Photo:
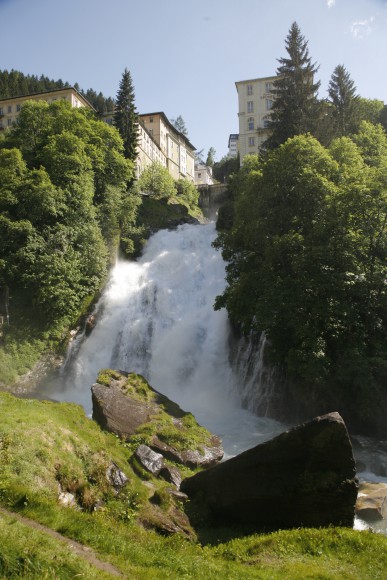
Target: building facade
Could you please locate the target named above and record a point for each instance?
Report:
(255, 100)
(233, 145)
(203, 175)
(10, 108)
(179, 152)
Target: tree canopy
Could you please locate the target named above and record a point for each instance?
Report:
(62, 192)
(306, 257)
(126, 116)
(295, 102)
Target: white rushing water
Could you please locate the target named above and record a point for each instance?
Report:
(156, 318)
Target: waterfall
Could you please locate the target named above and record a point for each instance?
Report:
(257, 381)
(156, 318)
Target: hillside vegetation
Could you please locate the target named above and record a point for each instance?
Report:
(47, 448)
(68, 200)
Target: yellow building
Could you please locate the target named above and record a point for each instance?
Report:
(179, 152)
(10, 108)
(255, 100)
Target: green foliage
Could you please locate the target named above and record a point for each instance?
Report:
(156, 181)
(43, 444)
(187, 191)
(224, 168)
(126, 116)
(63, 199)
(307, 262)
(211, 157)
(295, 105)
(343, 98)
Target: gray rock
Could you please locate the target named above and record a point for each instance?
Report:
(149, 460)
(115, 476)
(303, 477)
(171, 474)
(122, 411)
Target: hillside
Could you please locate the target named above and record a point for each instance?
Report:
(48, 448)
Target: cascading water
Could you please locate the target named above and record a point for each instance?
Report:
(156, 318)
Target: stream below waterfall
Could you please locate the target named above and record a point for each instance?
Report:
(156, 318)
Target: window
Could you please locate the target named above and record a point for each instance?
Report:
(268, 87)
(266, 123)
(1, 111)
(250, 107)
(150, 119)
(9, 108)
(249, 89)
(251, 141)
(250, 124)
(269, 104)
(18, 108)
(9, 122)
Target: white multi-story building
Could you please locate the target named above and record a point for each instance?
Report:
(255, 100)
(233, 145)
(178, 150)
(203, 175)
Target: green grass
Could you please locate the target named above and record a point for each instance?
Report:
(43, 444)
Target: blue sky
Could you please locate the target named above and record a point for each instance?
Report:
(185, 56)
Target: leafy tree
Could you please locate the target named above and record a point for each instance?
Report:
(126, 116)
(156, 181)
(369, 110)
(342, 96)
(307, 263)
(62, 198)
(225, 167)
(211, 157)
(187, 191)
(179, 124)
(295, 105)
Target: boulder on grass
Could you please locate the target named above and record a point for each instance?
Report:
(127, 405)
(303, 477)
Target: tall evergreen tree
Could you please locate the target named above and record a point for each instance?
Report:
(180, 125)
(343, 98)
(126, 116)
(295, 106)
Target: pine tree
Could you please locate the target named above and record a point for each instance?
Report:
(343, 98)
(179, 124)
(126, 116)
(295, 105)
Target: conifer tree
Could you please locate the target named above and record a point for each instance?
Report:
(295, 104)
(343, 98)
(126, 116)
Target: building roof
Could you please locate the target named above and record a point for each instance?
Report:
(50, 92)
(167, 122)
(257, 79)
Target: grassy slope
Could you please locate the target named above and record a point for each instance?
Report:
(43, 444)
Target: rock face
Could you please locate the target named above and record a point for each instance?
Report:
(303, 477)
(127, 405)
(371, 503)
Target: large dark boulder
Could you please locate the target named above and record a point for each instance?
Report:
(303, 477)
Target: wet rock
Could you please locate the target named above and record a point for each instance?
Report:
(303, 477)
(149, 460)
(371, 504)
